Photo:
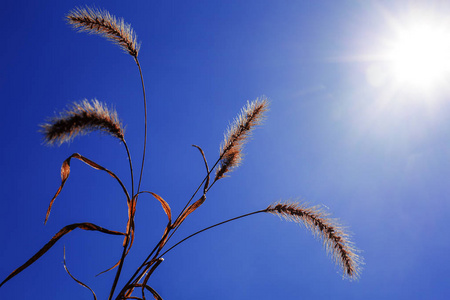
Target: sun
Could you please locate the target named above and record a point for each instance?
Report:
(420, 54)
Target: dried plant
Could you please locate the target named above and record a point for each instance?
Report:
(335, 240)
(101, 22)
(238, 134)
(82, 118)
(85, 117)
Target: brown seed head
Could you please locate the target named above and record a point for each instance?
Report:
(101, 22)
(335, 240)
(82, 118)
(238, 134)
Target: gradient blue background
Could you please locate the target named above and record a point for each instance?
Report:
(374, 156)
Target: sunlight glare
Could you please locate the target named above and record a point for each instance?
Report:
(421, 55)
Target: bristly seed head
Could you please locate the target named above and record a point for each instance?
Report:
(238, 134)
(101, 22)
(82, 118)
(335, 240)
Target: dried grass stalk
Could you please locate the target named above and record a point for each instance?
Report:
(101, 22)
(335, 240)
(238, 134)
(82, 118)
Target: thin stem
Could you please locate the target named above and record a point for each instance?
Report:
(122, 258)
(140, 179)
(140, 268)
(157, 246)
(212, 226)
(145, 122)
(131, 167)
(193, 195)
(119, 269)
(186, 238)
(147, 277)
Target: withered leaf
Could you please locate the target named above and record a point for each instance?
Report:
(55, 238)
(205, 188)
(65, 172)
(164, 205)
(76, 280)
(189, 210)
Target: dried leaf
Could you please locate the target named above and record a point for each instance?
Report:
(164, 237)
(189, 210)
(154, 293)
(65, 171)
(149, 288)
(129, 233)
(76, 280)
(205, 188)
(55, 238)
(164, 204)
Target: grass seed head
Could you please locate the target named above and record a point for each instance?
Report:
(335, 240)
(238, 134)
(82, 118)
(96, 21)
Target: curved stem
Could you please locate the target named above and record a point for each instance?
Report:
(131, 167)
(138, 278)
(140, 268)
(122, 259)
(193, 195)
(145, 123)
(116, 279)
(212, 226)
(119, 269)
(132, 278)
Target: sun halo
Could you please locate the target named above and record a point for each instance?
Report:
(420, 55)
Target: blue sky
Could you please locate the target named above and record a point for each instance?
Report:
(342, 132)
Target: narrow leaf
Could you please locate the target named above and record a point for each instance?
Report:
(129, 236)
(65, 171)
(154, 293)
(76, 280)
(55, 238)
(149, 288)
(205, 188)
(164, 237)
(189, 210)
(164, 204)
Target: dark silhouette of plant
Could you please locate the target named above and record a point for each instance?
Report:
(88, 116)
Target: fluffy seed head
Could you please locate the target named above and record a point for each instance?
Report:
(96, 21)
(237, 135)
(335, 240)
(82, 118)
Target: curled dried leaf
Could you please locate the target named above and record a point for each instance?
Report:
(205, 188)
(76, 280)
(65, 172)
(54, 239)
(164, 204)
(189, 210)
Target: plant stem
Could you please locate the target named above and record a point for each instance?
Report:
(131, 167)
(212, 226)
(145, 123)
(183, 240)
(193, 195)
(187, 204)
(116, 279)
(141, 266)
(119, 269)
